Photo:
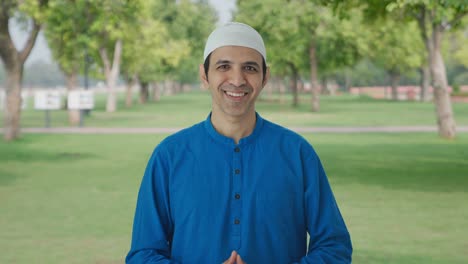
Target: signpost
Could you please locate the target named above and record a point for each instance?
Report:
(81, 100)
(47, 100)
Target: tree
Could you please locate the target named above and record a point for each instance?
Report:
(396, 48)
(434, 18)
(13, 59)
(304, 36)
(192, 22)
(157, 47)
(111, 21)
(66, 33)
(277, 22)
(455, 52)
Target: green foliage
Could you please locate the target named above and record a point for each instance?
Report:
(277, 22)
(169, 40)
(32, 9)
(455, 46)
(197, 19)
(67, 33)
(77, 28)
(341, 42)
(290, 27)
(396, 46)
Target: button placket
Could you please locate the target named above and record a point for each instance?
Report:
(237, 187)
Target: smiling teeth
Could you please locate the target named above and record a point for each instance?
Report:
(235, 94)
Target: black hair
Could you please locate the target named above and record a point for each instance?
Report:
(206, 65)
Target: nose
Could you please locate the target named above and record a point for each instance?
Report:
(237, 77)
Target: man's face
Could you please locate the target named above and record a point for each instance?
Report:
(235, 79)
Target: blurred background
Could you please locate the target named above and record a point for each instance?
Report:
(88, 88)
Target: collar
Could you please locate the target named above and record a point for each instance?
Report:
(229, 141)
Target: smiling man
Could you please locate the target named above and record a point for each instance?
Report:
(236, 188)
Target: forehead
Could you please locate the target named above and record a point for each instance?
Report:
(236, 54)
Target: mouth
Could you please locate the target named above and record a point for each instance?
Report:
(235, 95)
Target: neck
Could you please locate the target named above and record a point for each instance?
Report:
(234, 127)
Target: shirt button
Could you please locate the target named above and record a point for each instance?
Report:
(237, 221)
(237, 171)
(237, 149)
(237, 196)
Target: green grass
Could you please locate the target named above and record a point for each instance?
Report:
(71, 198)
(186, 109)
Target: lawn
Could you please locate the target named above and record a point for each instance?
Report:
(71, 198)
(185, 109)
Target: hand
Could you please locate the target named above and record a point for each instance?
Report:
(234, 259)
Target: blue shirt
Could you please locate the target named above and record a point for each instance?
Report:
(203, 196)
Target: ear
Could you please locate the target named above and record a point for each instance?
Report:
(203, 77)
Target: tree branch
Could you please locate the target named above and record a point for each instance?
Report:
(24, 53)
(421, 18)
(458, 17)
(117, 56)
(105, 60)
(7, 47)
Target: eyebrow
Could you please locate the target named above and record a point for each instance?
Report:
(223, 62)
(249, 63)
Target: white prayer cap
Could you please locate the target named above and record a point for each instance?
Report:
(235, 34)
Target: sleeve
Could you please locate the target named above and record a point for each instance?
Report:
(152, 225)
(330, 241)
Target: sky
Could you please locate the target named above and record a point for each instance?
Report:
(41, 50)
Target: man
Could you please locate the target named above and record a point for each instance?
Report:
(236, 188)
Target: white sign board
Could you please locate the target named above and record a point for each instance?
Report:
(24, 100)
(3, 99)
(47, 100)
(80, 100)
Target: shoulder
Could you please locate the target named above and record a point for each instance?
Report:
(181, 139)
(287, 138)
(275, 130)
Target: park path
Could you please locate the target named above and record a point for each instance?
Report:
(169, 130)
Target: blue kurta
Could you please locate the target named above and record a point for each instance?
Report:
(203, 196)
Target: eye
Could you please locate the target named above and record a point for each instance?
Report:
(250, 68)
(223, 67)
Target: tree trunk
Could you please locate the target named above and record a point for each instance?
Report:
(425, 82)
(73, 114)
(168, 87)
(13, 61)
(443, 103)
(112, 73)
(177, 87)
(293, 85)
(314, 78)
(13, 102)
(131, 81)
(144, 92)
(282, 90)
(348, 80)
(394, 81)
(156, 92)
